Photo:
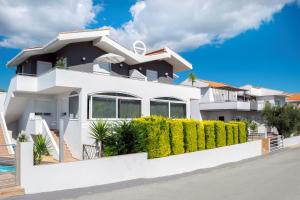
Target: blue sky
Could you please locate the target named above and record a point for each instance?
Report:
(267, 55)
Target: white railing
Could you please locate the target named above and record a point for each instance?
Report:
(36, 126)
(6, 134)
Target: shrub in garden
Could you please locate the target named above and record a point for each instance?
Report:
(229, 133)
(200, 135)
(209, 130)
(176, 137)
(164, 138)
(220, 134)
(235, 129)
(156, 131)
(242, 132)
(190, 135)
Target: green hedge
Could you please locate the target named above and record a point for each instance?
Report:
(229, 134)
(176, 137)
(235, 129)
(242, 131)
(164, 137)
(190, 135)
(157, 135)
(220, 133)
(209, 130)
(200, 136)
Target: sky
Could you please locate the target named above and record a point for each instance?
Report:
(236, 42)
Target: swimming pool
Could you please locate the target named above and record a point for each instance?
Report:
(7, 168)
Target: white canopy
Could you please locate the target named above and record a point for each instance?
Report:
(110, 58)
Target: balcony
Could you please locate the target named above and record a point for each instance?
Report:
(226, 105)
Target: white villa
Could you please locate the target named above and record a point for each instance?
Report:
(220, 101)
(82, 76)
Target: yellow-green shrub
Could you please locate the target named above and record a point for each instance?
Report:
(235, 129)
(190, 135)
(200, 135)
(156, 130)
(241, 130)
(220, 133)
(176, 137)
(209, 130)
(229, 133)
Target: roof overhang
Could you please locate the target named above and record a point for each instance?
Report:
(60, 41)
(101, 40)
(109, 45)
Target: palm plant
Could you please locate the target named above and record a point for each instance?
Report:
(41, 147)
(99, 132)
(192, 77)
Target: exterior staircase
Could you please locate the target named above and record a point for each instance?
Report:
(67, 153)
(3, 147)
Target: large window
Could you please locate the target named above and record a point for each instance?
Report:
(114, 105)
(73, 105)
(168, 107)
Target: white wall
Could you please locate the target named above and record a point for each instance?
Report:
(292, 141)
(202, 159)
(2, 99)
(61, 176)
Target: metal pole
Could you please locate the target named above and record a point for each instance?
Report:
(61, 140)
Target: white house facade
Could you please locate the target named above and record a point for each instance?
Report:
(67, 83)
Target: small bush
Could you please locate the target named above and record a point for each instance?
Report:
(190, 135)
(235, 129)
(200, 136)
(176, 137)
(220, 134)
(209, 130)
(229, 133)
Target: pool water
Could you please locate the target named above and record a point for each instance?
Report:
(7, 168)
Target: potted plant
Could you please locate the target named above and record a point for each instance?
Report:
(60, 63)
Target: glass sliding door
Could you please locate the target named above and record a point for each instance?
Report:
(128, 108)
(177, 110)
(159, 108)
(103, 107)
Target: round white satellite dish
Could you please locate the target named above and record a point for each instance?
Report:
(139, 47)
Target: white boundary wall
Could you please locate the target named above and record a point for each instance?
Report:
(51, 177)
(292, 141)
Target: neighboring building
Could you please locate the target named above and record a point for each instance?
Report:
(65, 85)
(220, 101)
(294, 99)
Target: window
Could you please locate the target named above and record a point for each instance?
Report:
(168, 107)
(151, 75)
(73, 105)
(114, 105)
(221, 118)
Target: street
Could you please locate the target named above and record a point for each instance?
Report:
(275, 177)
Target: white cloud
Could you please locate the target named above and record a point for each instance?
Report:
(188, 24)
(30, 22)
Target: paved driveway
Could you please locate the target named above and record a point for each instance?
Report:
(276, 176)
